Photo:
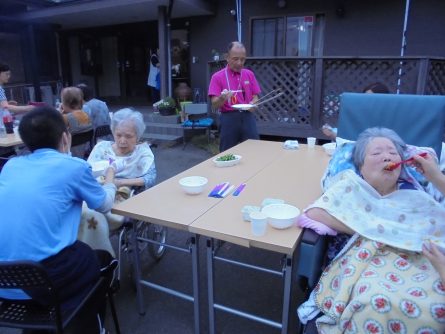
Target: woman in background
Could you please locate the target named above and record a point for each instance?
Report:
(75, 118)
(374, 88)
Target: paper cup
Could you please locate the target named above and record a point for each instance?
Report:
(258, 223)
(311, 142)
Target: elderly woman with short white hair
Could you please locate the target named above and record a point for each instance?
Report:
(135, 167)
(380, 282)
(137, 158)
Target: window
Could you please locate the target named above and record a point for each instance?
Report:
(282, 36)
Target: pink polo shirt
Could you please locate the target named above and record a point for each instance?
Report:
(230, 80)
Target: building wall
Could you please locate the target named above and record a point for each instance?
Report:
(352, 28)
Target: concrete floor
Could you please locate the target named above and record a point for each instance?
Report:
(250, 291)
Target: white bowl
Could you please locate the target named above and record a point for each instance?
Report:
(99, 167)
(329, 148)
(281, 216)
(228, 163)
(193, 185)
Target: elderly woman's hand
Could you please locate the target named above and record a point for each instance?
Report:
(118, 165)
(118, 183)
(436, 257)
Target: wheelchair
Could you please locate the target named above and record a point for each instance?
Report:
(155, 247)
(403, 113)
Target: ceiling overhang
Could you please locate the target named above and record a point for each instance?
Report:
(84, 14)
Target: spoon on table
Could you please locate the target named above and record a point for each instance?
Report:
(393, 165)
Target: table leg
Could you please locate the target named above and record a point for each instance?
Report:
(210, 289)
(286, 294)
(195, 267)
(137, 269)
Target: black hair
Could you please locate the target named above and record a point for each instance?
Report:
(377, 88)
(42, 127)
(4, 67)
(86, 91)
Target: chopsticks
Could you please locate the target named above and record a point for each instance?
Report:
(266, 97)
(223, 189)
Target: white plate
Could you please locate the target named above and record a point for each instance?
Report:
(228, 163)
(244, 106)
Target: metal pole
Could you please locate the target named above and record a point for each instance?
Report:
(239, 19)
(403, 47)
(210, 287)
(194, 248)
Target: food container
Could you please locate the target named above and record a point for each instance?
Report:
(268, 201)
(281, 216)
(99, 167)
(329, 148)
(247, 209)
(227, 163)
(193, 185)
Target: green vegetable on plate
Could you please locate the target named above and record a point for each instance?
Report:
(226, 157)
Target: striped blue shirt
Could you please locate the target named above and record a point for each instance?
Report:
(2, 94)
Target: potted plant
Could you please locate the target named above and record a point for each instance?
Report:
(166, 106)
(215, 55)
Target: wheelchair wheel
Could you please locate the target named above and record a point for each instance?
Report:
(154, 232)
(157, 233)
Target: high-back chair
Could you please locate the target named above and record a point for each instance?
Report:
(197, 119)
(83, 138)
(101, 131)
(28, 314)
(418, 119)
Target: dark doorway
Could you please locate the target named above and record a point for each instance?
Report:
(134, 44)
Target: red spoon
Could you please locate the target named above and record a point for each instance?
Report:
(393, 165)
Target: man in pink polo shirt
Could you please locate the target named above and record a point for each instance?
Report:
(235, 85)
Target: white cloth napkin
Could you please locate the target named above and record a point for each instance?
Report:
(290, 144)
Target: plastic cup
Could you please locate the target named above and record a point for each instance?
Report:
(9, 127)
(311, 142)
(258, 223)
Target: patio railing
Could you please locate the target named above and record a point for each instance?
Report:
(312, 87)
(24, 93)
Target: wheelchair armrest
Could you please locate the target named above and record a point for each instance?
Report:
(310, 237)
(311, 255)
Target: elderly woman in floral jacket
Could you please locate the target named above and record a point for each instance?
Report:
(380, 282)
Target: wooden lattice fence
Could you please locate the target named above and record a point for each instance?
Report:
(312, 87)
